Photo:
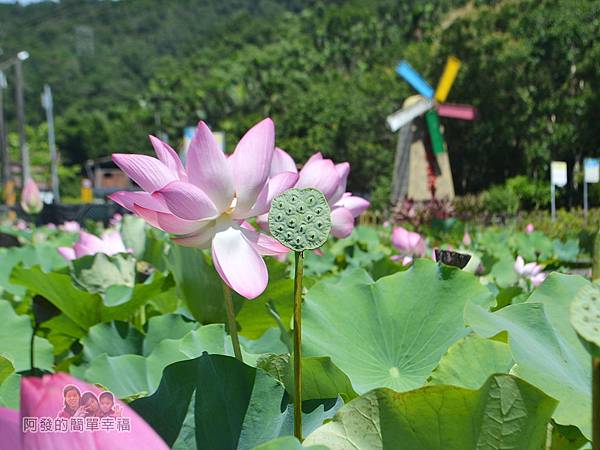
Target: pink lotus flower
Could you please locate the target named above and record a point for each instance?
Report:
(538, 279)
(31, 201)
(21, 225)
(51, 226)
(43, 397)
(406, 260)
(531, 271)
(526, 270)
(71, 226)
(408, 242)
(206, 202)
(110, 244)
(331, 180)
(529, 228)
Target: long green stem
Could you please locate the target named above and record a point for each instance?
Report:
(298, 345)
(595, 403)
(32, 348)
(231, 324)
(139, 317)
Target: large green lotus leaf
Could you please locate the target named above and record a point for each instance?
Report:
(10, 391)
(287, 443)
(532, 246)
(545, 347)
(142, 374)
(15, 341)
(133, 232)
(6, 369)
(168, 326)
(505, 413)
(198, 284)
(254, 318)
(62, 332)
(201, 288)
(470, 362)
(320, 377)
(96, 273)
(43, 254)
(503, 271)
(215, 402)
(567, 251)
(9, 258)
(114, 338)
(567, 438)
(392, 332)
(83, 308)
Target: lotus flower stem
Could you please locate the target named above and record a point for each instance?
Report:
(298, 344)
(595, 403)
(31, 348)
(139, 317)
(231, 324)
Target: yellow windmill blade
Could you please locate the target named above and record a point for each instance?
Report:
(447, 79)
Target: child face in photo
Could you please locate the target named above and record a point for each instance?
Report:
(72, 399)
(92, 406)
(106, 403)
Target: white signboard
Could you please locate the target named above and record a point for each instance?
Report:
(558, 173)
(591, 170)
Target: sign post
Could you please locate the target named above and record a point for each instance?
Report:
(48, 106)
(591, 174)
(558, 177)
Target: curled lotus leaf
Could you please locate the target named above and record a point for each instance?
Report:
(585, 315)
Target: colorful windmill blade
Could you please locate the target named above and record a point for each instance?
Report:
(435, 134)
(455, 111)
(403, 116)
(447, 79)
(405, 70)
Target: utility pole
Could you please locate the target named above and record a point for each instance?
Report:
(4, 161)
(25, 169)
(47, 103)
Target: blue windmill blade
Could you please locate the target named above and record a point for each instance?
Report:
(406, 71)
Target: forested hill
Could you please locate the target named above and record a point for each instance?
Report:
(322, 69)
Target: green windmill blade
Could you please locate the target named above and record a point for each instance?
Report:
(433, 124)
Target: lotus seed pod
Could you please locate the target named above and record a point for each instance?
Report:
(585, 317)
(300, 219)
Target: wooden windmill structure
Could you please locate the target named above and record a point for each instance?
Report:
(421, 167)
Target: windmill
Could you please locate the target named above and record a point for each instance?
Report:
(422, 167)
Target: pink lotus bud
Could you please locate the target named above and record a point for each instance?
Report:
(71, 226)
(466, 239)
(408, 242)
(529, 228)
(31, 201)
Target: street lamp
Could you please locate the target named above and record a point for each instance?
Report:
(16, 61)
(5, 174)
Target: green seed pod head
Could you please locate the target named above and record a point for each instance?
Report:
(585, 317)
(300, 219)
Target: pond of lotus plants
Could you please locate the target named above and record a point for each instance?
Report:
(239, 306)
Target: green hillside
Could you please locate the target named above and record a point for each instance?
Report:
(323, 70)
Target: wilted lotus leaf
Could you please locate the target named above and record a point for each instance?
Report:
(585, 316)
(300, 219)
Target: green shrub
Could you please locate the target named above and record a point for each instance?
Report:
(501, 200)
(532, 194)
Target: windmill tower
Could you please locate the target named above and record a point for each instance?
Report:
(422, 167)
